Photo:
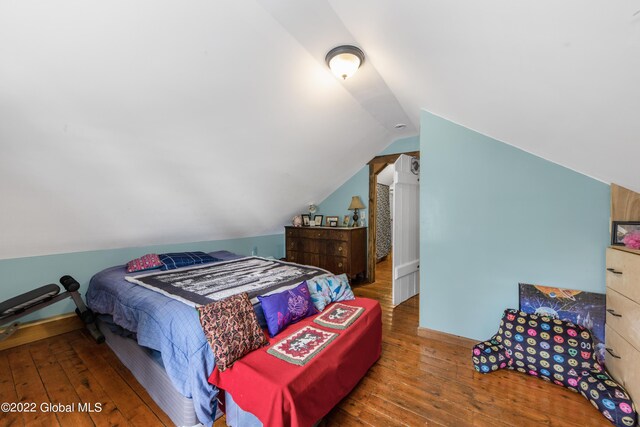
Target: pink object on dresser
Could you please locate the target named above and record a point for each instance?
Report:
(632, 240)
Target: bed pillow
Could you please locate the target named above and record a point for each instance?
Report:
(320, 292)
(231, 328)
(284, 308)
(145, 262)
(183, 259)
(339, 288)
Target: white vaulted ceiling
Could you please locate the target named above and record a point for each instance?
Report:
(560, 79)
(128, 123)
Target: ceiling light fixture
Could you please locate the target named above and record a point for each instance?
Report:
(345, 60)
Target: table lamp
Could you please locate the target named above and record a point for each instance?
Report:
(355, 205)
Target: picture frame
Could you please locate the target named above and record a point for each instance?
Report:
(345, 220)
(619, 229)
(332, 221)
(306, 220)
(318, 220)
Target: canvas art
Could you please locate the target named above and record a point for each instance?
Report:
(580, 307)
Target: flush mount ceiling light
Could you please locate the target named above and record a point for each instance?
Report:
(345, 60)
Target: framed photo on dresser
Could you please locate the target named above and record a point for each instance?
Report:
(332, 221)
(345, 220)
(620, 229)
(306, 220)
(318, 219)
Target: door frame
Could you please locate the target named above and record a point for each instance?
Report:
(376, 165)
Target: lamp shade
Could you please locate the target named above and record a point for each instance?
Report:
(356, 203)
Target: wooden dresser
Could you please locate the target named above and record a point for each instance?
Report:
(339, 250)
(622, 329)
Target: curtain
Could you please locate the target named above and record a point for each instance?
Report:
(383, 222)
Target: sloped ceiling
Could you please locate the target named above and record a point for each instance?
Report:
(128, 123)
(559, 79)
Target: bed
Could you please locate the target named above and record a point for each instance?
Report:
(161, 341)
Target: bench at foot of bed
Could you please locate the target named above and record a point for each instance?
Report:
(279, 392)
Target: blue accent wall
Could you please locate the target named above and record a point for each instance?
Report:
(492, 215)
(358, 185)
(23, 274)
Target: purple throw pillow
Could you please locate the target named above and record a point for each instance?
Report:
(284, 308)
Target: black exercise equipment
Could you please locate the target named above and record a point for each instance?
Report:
(14, 308)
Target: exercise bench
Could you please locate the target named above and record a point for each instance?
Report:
(17, 307)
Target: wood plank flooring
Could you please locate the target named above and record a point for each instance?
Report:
(417, 381)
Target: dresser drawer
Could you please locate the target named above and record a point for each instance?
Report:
(337, 248)
(623, 315)
(313, 233)
(294, 256)
(293, 232)
(340, 235)
(336, 265)
(623, 368)
(312, 246)
(294, 244)
(623, 273)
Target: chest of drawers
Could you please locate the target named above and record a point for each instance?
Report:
(622, 330)
(339, 250)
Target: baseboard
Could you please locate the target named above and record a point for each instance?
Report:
(446, 337)
(41, 329)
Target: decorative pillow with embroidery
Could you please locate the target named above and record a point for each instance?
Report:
(339, 288)
(320, 292)
(184, 259)
(284, 308)
(232, 329)
(145, 262)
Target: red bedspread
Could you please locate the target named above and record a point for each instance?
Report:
(282, 394)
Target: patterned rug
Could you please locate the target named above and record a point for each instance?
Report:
(339, 316)
(202, 284)
(302, 346)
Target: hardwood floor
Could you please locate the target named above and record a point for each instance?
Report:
(417, 381)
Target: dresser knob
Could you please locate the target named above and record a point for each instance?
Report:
(612, 312)
(340, 249)
(610, 351)
(614, 271)
(339, 264)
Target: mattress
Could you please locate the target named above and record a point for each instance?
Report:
(165, 325)
(147, 368)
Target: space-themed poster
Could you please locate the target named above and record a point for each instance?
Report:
(580, 307)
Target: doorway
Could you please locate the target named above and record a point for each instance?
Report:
(376, 166)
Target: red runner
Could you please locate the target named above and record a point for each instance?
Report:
(282, 394)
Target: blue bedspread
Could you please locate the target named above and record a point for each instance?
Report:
(165, 325)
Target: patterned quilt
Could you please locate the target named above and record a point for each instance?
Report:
(202, 284)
